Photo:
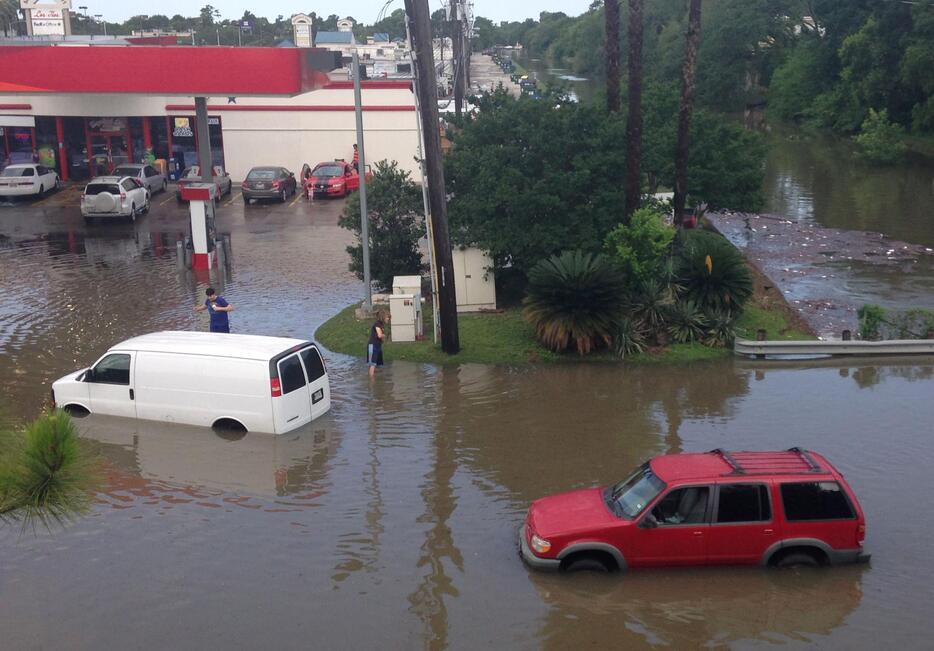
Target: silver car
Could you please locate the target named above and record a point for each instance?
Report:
(114, 197)
(150, 177)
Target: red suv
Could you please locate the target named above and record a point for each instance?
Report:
(782, 508)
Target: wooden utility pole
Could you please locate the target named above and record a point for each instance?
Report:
(685, 111)
(634, 120)
(611, 11)
(419, 24)
(457, 43)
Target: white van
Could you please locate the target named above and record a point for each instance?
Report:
(262, 384)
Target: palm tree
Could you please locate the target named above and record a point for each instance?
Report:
(611, 11)
(9, 16)
(687, 107)
(634, 120)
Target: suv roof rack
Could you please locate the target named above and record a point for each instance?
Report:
(776, 467)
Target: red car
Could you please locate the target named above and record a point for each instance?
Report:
(334, 179)
(784, 508)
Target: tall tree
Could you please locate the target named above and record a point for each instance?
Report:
(634, 119)
(611, 14)
(686, 109)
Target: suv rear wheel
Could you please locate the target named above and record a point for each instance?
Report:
(798, 559)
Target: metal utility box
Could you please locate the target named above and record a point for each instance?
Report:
(473, 280)
(405, 311)
(407, 285)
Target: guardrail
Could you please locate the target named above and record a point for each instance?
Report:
(834, 348)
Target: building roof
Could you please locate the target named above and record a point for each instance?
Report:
(381, 37)
(212, 344)
(334, 38)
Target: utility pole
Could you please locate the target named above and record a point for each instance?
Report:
(361, 172)
(457, 43)
(418, 19)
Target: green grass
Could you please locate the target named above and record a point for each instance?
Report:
(489, 338)
(505, 338)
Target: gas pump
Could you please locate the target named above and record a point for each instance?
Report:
(201, 207)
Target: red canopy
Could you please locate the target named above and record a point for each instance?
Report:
(145, 70)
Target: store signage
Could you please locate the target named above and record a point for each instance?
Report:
(183, 128)
(48, 27)
(46, 17)
(107, 125)
(44, 13)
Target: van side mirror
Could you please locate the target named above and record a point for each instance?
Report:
(648, 522)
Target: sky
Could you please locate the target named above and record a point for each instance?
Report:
(362, 10)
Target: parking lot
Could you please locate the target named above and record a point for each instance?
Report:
(61, 210)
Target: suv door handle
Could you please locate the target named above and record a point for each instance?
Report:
(132, 395)
(768, 532)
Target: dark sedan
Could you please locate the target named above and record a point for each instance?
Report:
(268, 183)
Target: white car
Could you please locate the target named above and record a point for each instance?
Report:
(27, 180)
(114, 196)
(147, 174)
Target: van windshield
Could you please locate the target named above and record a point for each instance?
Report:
(629, 497)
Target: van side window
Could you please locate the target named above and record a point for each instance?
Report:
(113, 369)
(816, 500)
(744, 503)
(313, 364)
(291, 374)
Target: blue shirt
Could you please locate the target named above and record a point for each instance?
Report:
(219, 320)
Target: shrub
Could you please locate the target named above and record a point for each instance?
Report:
(871, 318)
(686, 322)
(629, 337)
(879, 140)
(575, 297)
(712, 273)
(44, 474)
(721, 329)
(650, 303)
(395, 210)
(641, 246)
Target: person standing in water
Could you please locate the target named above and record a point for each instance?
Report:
(374, 348)
(218, 308)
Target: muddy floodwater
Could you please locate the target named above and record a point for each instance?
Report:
(391, 522)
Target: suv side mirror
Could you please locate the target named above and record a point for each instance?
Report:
(648, 522)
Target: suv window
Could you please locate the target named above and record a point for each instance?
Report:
(313, 364)
(100, 188)
(128, 184)
(291, 374)
(744, 503)
(817, 500)
(113, 369)
(683, 506)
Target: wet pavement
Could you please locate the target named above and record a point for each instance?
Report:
(485, 75)
(392, 520)
(827, 273)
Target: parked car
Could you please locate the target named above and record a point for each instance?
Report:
(783, 508)
(193, 175)
(268, 183)
(147, 174)
(335, 179)
(113, 197)
(261, 384)
(25, 180)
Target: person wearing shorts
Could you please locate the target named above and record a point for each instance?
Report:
(374, 348)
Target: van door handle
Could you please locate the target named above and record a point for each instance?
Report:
(132, 395)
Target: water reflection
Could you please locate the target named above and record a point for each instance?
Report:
(697, 609)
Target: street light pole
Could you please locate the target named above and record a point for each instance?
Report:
(361, 173)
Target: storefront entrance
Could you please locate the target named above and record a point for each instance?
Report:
(108, 144)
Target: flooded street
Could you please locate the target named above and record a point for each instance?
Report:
(392, 520)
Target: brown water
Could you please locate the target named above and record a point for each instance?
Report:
(392, 521)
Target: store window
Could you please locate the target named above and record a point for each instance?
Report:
(76, 149)
(137, 141)
(47, 142)
(20, 145)
(185, 141)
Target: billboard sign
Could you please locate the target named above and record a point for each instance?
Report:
(48, 27)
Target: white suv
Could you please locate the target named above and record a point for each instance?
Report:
(114, 196)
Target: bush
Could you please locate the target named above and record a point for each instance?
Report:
(686, 322)
(879, 140)
(44, 474)
(712, 273)
(721, 329)
(629, 337)
(395, 208)
(641, 246)
(575, 297)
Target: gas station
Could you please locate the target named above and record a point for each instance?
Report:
(184, 72)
